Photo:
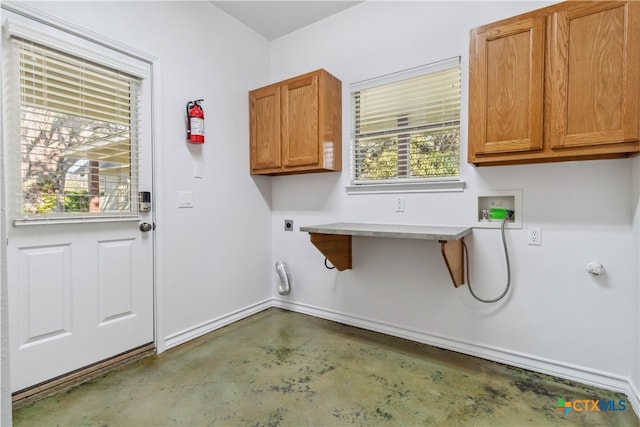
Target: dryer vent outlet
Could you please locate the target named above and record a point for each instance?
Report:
(285, 278)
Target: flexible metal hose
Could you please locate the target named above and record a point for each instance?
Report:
(506, 256)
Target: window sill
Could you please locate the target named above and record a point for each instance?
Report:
(407, 187)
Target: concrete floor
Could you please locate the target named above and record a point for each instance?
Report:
(279, 368)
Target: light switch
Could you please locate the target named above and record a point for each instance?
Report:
(197, 170)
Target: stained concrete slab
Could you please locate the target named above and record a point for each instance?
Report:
(279, 368)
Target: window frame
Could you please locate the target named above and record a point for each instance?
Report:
(400, 184)
(17, 25)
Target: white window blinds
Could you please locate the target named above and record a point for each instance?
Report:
(78, 134)
(407, 125)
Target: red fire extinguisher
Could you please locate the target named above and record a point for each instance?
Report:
(195, 122)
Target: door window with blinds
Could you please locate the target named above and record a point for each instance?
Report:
(406, 126)
(78, 132)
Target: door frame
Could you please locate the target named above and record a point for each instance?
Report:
(157, 213)
(5, 373)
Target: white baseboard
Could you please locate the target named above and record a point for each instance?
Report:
(213, 324)
(525, 361)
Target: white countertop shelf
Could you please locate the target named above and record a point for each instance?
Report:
(334, 241)
(398, 231)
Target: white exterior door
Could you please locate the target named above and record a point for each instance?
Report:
(78, 294)
(80, 269)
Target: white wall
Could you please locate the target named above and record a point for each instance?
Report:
(634, 353)
(213, 259)
(557, 318)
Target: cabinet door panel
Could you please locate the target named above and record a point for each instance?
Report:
(594, 85)
(506, 87)
(300, 122)
(265, 128)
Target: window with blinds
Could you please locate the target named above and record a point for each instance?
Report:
(78, 135)
(407, 125)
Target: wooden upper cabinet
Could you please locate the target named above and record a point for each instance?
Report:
(300, 121)
(265, 128)
(594, 95)
(296, 125)
(559, 83)
(506, 90)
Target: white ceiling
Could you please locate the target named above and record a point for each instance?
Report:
(273, 19)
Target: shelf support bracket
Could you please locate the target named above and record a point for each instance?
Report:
(336, 247)
(453, 254)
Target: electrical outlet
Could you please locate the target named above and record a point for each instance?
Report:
(288, 225)
(535, 236)
(399, 204)
(185, 199)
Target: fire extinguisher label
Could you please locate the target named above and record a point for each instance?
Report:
(197, 126)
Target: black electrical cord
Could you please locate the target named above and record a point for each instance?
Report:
(506, 256)
(327, 266)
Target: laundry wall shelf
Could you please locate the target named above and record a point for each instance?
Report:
(334, 241)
